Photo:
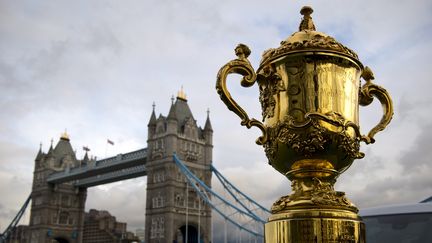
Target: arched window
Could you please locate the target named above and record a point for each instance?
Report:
(64, 218)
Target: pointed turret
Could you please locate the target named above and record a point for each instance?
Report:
(208, 126)
(172, 120)
(85, 160)
(39, 155)
(64, 147)
(152, 121)
(50, 150)
(208, 137)
(172, 112)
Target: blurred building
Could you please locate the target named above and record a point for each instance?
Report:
(19, 234)
(102, 227)
(140, 233)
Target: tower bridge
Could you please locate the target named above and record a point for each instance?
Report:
(179, 196)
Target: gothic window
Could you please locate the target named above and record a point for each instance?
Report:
(65, 200)
(153, 228)
(179, 200)
(54, 218)
(35, 236)
(54, 200)
(158, 201)
(179, 176)
(159, 176)
(36, 219)
(198, 203)
(71, 221)
(158, 148)
(157, 228)
(161, 227)
(160, 144)
(64, 218)
(38, 201)
(160, 128)
(162, 175)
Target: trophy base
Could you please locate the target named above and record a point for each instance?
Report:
(315, 226)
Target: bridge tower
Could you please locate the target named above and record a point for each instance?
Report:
(173, 209)
(57, 211)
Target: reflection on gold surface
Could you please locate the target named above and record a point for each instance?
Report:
(316, 225)
(310, 92)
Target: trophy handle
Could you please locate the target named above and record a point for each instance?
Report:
(241, 66)
(367, 93)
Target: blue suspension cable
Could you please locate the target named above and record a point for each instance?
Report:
(192, 178)
(224, 182)
(15, 221)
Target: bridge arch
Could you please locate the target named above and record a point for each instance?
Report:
(61, 240)
(192, 234)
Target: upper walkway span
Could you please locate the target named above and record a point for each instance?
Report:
(112, 169)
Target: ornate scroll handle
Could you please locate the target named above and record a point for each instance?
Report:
(241, 66)
(367, 93)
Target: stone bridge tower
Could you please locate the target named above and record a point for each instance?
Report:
(57, 211)
(169, 213)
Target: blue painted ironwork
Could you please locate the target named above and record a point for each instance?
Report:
(5, 235)
(230, 187)
(195, 181)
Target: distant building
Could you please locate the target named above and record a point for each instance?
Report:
(19, 234)
(140, 233)
(102, 227)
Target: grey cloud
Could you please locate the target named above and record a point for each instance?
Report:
(406, 179)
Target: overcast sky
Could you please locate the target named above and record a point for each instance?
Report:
(95, 68)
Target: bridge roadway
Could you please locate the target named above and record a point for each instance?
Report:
(120, 167)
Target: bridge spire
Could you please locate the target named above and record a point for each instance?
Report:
(172, 112)
(39, 154)
(181, 94)
(208, 126)
(65, 135)
(153, 116)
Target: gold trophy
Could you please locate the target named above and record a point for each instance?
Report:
(310, 92)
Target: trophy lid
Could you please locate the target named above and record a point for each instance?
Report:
(307, 39)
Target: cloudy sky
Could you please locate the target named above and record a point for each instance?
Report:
(95, 68)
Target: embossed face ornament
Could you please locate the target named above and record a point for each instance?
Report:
(310, 92)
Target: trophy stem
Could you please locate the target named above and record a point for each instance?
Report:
(314, 211)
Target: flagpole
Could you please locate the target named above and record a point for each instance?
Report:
(199, 219)
(187, 211)
(108, 141)
(106, 149)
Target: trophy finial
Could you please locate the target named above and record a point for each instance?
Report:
(242, 51)
(367, 74)
(306, 23)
